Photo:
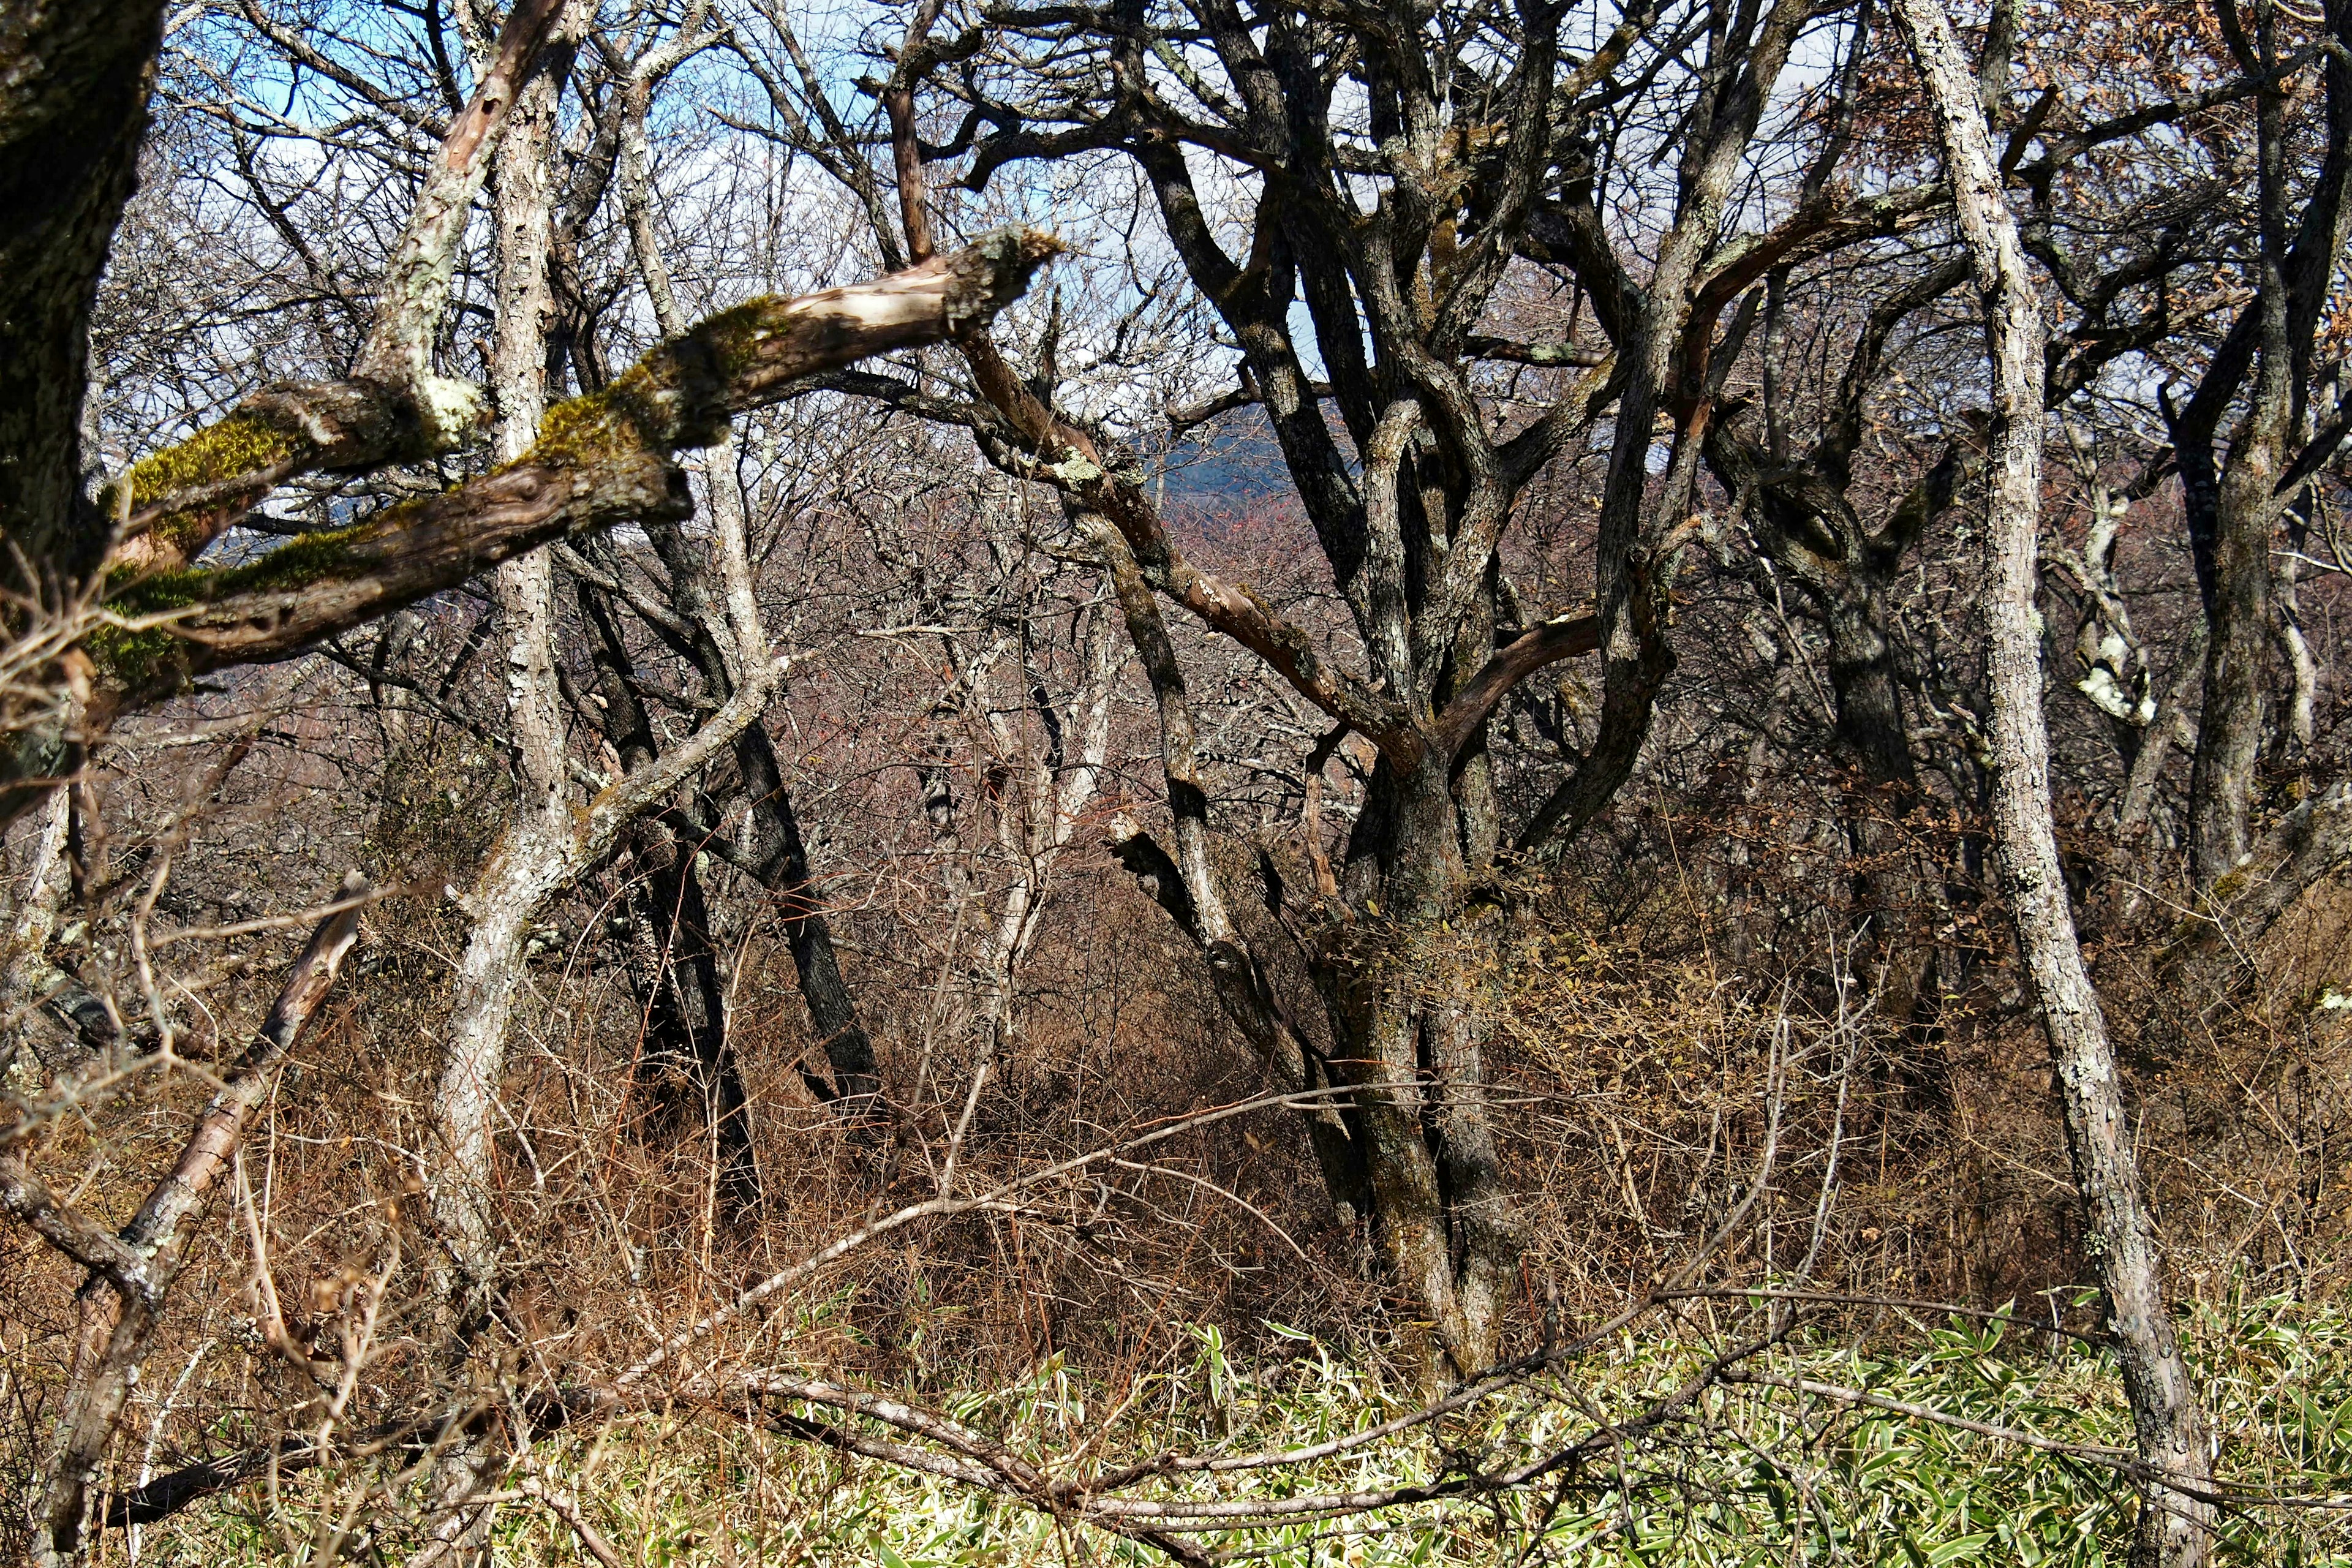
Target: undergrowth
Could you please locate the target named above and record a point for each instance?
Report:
(1749, 1474)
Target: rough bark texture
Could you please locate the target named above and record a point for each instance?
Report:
(2176, 1525)
(2234, 506)
(2237, 651)
(2210, 958)
(597, 461)
(393, 406)
(530, 862)
(415, 286)
(74, 79)
(600, 461)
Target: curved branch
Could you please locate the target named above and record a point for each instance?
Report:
(1562, 636)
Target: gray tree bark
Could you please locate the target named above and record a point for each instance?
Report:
(529, 865)
(74, 79)
(2176, 1521)
(2235, 507)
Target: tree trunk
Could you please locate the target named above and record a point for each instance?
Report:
(781, 865)
(1442, 1216)
(1894, 884)
(1888, 885)
(2221, 777)
(2176, 1523)
(686, 1064)
(2233, 517)
(530, 862)
(74, 81)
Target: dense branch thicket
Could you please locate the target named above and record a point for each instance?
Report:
(968, 698)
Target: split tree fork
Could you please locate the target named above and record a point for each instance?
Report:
(1411, 520)
(112, 586)
(2177, 1516)
(2262, 386)
(1411, 488)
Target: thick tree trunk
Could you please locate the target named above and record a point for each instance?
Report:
(1870, 722)
(2234, 516)
(2210, 962)
(1806, 526)
(1891, 886)
(1442, 1215)
(2221, 777)
(2176, 1523)
(74, 81)
(551, 842)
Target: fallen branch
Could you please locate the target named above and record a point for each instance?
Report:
(119, 1311)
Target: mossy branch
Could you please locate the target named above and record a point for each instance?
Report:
(601, 460)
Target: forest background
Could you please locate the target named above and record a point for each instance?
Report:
(1344, 782)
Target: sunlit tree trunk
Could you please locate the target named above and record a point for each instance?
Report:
(528, 862)
(2176, 1521)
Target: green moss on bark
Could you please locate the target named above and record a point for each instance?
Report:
(734, 336)
(241, 443)
(151, 658)
(674, 397)
(237, 445)
(302, 561)
(156, 657)
(581, 431)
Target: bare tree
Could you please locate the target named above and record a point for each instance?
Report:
(2177, 1517)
